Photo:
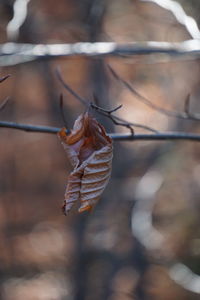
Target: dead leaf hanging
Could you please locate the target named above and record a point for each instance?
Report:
(90, 152)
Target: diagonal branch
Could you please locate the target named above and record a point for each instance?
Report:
(4, 103)
(170, 113)
(70, 90)
(181, 17)
(107, 113)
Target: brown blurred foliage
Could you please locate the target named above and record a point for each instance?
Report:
(45, 255)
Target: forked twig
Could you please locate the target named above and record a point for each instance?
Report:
(107, 113)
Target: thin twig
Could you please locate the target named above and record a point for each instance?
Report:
(107, 113)
(115, 136)
(147, 102)
(4, 103)
(136, 125)
(62, 110)
(187, 105)
(98, 108)
(72, 92)
(121, 123)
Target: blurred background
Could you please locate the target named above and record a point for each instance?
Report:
(142, 241)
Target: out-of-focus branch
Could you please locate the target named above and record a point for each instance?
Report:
(187, 114)
(28, 127)
(150, 237)
(183, 276)
(105, 112)
(5, 101)
(181, 17)
(19, 16)
(16, 53)
(164, 136)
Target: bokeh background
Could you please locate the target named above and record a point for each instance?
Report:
(111, 253)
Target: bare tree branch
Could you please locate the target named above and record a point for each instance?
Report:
(107, 113)
(186, 115)
(28, 127)
(16, 53)
(115, 136)
(19, 16)
(181, 17)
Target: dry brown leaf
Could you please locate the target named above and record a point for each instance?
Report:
(90, 152)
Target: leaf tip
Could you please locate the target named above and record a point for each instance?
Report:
(86, 208)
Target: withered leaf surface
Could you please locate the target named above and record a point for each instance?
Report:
(90, 152)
